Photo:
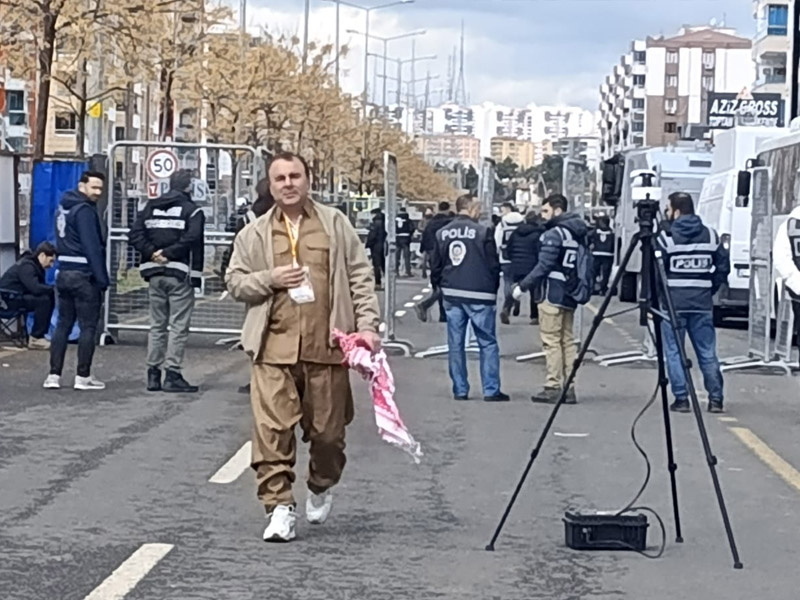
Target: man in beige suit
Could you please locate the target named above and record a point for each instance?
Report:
(302, 271)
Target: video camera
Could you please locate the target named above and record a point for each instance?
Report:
(646, 196)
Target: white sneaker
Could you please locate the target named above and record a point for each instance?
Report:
(53, 382)
(281, 524)
(318, 507)
(88, 383)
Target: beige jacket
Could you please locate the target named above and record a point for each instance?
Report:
(354, 304)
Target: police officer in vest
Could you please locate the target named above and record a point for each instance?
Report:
(465, 266)
(405, 229)
(786, 260)
(697, 264)
(81, 280)
(169, 235)
(602, 242)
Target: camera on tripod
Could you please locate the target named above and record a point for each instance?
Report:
(646, 195)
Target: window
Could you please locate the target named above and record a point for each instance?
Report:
(708, 83)
(671, 106)
(119, 133)
(66, 122)
(638, 103)
(15, 107)
(670, 127)
(640, 56)
(637, 126)
(709, 59)
(672, 57)
(672, 81)
(777, 19)
(638, 80)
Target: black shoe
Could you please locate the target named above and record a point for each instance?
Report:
(534, 321)
(245, 389)
(176, 384)
(547, 396)
(422, 314)
(461, 398)
(442, 319)
(153, 379)
(681, 406)
(504, 317)
(571, 398)
(517, 308)
(715, 406)
(498, 397)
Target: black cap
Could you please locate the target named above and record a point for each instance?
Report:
(181, 180)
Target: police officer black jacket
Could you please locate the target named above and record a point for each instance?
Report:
(465, 264)
(602, 242)
(174, 225)
(696, 263)
(79, 238)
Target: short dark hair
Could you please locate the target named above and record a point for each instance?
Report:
(509, 205)
(289, 156)
(557, 201)
(683, 202)
(463, 202)
(444, 206)
(180, 180)
(87, 175)
(45, 248)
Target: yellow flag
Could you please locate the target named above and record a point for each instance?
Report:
(96, 110)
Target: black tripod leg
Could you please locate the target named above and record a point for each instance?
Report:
(698, 415)
(671, 465)
(598, 319)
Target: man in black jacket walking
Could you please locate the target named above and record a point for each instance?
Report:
(81, 280)
(405, 229)
(428, 245)
(169, 235)
(602, 243)
(25, 281)
(376, 244)
(522, 251)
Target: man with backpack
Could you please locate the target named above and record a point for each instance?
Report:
(561, 280)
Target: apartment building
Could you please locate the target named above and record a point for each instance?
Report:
(586, 149)
(519, 151)
(449, 149)
(661, 85)
(17, 110)
(772, 46)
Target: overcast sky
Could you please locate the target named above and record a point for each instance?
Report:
(517, 51)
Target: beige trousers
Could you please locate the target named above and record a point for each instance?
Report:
(558, 343)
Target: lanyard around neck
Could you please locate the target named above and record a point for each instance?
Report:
(293, 231)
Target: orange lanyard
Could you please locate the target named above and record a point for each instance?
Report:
(294, 234)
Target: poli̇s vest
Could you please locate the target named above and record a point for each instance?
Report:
(690, 265)
(603, 243)
(466, 275)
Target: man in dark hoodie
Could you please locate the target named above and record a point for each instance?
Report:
(169, 235)
(522, 252)
(428, 245)
(564, 232)
(697, 265)
(376, 244)
(81, 280)
(405, 229)
(26, 282)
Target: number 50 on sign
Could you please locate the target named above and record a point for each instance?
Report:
(161, 164)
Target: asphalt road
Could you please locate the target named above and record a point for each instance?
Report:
(107, 494)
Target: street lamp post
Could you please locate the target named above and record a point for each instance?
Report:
(401, 62)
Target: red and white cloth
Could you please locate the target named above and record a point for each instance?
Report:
(375, 369)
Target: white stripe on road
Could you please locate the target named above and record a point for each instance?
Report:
(570, 435)
(232, 470)
(117, 585)
(400, 313)
(418, 297)
(426, 290)
(410, 304)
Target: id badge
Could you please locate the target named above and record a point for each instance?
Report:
(304, 293)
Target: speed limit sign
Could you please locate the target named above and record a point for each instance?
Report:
(161, 164)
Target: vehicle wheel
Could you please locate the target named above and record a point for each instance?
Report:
(628, 287)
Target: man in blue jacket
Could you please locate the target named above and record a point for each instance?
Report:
(81, 280)
(465, 266)
(548, 281)
(696, 264)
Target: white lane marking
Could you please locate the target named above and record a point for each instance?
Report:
(418, 297)
(729, 419)
(231, 470)
(426, 290)
(125, 577)
(410, 304)
(571, 435)
(400, 313)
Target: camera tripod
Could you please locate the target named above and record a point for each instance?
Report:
(653, 279)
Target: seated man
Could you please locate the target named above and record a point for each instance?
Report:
(25, 281)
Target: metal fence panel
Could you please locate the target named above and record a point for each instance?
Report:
(784, 328)
(486, 189)
(222, 173)
(760, 265)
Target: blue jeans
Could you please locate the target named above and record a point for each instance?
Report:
(484, 323)
(700, 326)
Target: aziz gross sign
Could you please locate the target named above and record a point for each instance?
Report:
(761, 109)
